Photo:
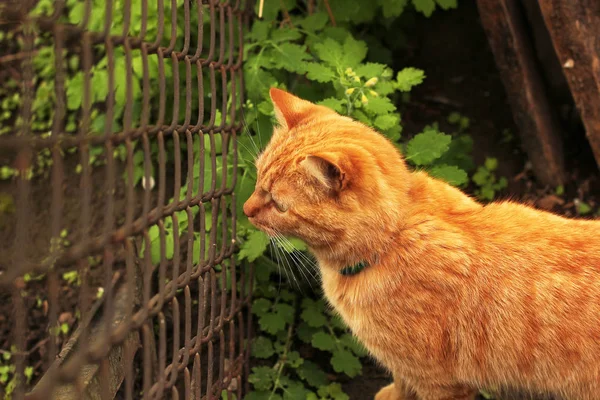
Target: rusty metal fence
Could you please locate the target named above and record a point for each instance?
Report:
(118, 151)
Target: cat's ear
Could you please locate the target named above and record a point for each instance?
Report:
(329, 169)
(289, 109)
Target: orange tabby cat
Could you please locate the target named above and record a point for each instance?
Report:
(455, 295)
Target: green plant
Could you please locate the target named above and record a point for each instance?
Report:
(486, 180)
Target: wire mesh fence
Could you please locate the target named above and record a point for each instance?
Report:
(117, 208)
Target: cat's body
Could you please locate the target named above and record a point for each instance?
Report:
(456, 295)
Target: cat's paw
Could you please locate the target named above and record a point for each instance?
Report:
(388, 393)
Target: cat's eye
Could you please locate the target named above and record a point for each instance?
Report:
(280, 207)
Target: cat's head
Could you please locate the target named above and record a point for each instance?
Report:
(325, 178)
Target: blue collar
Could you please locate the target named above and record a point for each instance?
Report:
(354, 269)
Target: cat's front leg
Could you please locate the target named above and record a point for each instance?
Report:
(445, 392)
(397, 390)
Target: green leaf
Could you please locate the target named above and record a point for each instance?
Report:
(291, 57)
(392, 8)
(262, 347)
(272, 323)
(323, 341)
(294, 359)
(271, 8)
(354, 52)
(336, 105)
(74, 91)
(319, 72)
(254, 246)
(386, 121)
(447, 4)
(380, 105)
(491, 163)
(331, 52)
(427, 146)
(346, 362)
(262, 396)
(409, 77)
(295, 391)
(450, 173)
(334, 391)
(370, 70)
(285, 35)
(285, 311)
(260, 30)
(312, 374)
(482, 176)
(261, 307)
(305, 332)
(424, 6)
(262, 378)
(313, 317)
(314, 22)
(353, 344)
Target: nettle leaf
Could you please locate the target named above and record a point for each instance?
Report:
(262, 378)
(262, 347)
(450, 173)
(409, 77)
(272, 323)
(319, 72)
(370, 70)
(323, 341)
(336, 105)
(424, 6)
(392, 8)
(312, 374)
(427, 146)
(261, 307)
(346, 362)
(387, 121)
(255, 245)
(314, 22)
(447, 4)
(380, 105)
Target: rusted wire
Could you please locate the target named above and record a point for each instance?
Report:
(171, 318)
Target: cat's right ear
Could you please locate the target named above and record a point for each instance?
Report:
(289, 109)
(329, 169)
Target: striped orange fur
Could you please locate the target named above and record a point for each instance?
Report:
(458, 295)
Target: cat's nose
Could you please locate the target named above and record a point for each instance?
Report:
(250, 208)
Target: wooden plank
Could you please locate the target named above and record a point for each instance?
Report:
(574, 27)
(503, 23)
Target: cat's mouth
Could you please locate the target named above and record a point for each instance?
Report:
(266, 229)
